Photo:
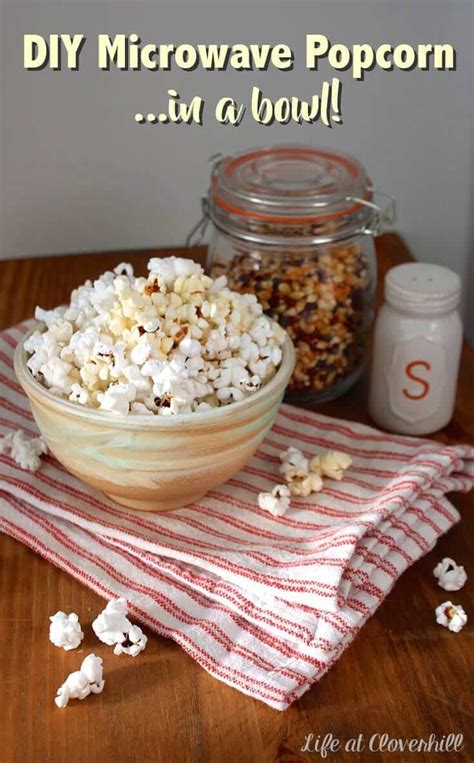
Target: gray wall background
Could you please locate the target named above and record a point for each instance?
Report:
(78, 174)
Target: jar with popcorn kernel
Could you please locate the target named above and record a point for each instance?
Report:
(294, 225)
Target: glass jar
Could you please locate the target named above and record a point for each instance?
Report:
(294, 225)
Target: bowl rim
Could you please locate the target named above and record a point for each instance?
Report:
(27, 380)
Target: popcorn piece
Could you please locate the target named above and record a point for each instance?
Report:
(79, 395)
(304, 476)
(24, 450)
(251, 384)
(451, 616)
(170, 268)
(124, 269)
(65, 631)
(112, 623)
(135, 642)
(170, 342)
(312, 483)
(113, 627)
(451, 576)
(294, 465)
(152, 325)
(141, 352)
(140, 409)
(190, 346)
(56, 373)
(117, 398)
(331, 464)
(81, 683)
(277, 502)
(49, 316)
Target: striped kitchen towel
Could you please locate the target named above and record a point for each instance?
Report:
(265, 604)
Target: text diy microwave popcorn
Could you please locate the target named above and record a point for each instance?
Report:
(128, 52)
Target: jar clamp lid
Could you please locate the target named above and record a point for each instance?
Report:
(315, 195)
(422, 288)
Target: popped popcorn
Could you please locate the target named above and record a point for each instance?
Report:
(174, 342)
(294, 465)
(451, 616)
(451, 576)
(87, 680)
(24, 450)
(112, 623)
(65, 631)
(312, 483)
(134, 643)
(331, 464)
(304, 475)
(113, 627)
(277, 502)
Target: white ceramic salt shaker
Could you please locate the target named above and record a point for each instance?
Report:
(417, 348)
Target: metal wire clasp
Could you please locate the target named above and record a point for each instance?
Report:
(196, 235)
(384, 214)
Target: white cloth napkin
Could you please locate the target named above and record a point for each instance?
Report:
(265, 604)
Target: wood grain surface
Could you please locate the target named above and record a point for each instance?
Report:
(404, 675)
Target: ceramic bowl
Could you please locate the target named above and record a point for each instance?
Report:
(154, 463)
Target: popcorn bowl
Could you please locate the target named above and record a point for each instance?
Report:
(154, 463)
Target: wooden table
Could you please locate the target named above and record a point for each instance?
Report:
(403, 675)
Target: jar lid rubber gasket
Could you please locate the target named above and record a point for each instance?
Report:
(291, 184)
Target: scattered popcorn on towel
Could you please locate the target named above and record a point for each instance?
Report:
(65, 630)
(331, 464)
(304, 476)
(81, 683)
(112, 626)
(277, 502)
(175, 342)
(451, 576)
(312, 483)
(24, 450)
(452, 616)
(294, 465)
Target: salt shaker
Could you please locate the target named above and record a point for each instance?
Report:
(417, 348)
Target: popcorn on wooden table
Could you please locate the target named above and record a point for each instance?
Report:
(65, 631)
(87, 680)
(113, 628)
(134, 643)
(451, 616)
(450, 575)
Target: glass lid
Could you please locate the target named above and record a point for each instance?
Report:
(290, 183)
